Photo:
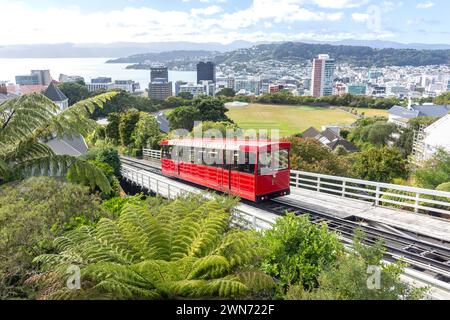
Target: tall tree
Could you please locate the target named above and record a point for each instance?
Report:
(29, 119)
(74, 91)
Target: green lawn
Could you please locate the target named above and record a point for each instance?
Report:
(290, 119)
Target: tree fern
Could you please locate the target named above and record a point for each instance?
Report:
(148, 254)
(27, 121)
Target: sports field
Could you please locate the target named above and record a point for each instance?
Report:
(292, 119)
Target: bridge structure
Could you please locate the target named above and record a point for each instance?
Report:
(414, 223)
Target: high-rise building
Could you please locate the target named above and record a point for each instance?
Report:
(160, 90)
(159, 74)
(44, 76)
(322, 76)
(206, 71)
(37, 77)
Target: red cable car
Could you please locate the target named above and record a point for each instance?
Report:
(252, 170)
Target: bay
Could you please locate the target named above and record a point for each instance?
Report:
(86, 67)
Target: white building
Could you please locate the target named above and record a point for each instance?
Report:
(204, 88)
(434, 137)
(248, 84)
(126, 85)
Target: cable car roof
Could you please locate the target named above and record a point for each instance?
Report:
(226, 144)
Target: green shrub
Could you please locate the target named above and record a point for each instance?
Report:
(32, 214)
(298, 251)
(349, 276)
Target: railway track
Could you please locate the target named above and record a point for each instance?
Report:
(423, 256)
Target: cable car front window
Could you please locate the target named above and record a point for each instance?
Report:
(271, 162)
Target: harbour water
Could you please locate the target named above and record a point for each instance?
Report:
(86, 67)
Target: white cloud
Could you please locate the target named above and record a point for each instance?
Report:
(340, 4)
(425, 5)
(145, 24)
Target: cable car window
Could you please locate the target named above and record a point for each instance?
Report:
(192, 156)
(200, 156)
(270, 162)
(167, 152)
(244, 162)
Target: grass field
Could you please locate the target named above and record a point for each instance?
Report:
(292, 119)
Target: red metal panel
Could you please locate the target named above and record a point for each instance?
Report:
(268, 184)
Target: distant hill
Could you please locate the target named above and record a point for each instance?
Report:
(121, 49)
(357, 55)
(184, 55)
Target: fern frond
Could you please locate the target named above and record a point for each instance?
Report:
(58, 166)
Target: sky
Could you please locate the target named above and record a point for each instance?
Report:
(224, 21)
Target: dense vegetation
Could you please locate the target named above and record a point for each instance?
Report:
(32, 214)
(357, 55)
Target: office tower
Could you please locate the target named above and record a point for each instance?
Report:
(322, 76)
(160, 90)
(159, 74)
(206, 71)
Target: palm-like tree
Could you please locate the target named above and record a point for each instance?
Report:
(184, 249)
(26, 121)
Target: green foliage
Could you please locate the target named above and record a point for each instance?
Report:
(128, 122)
(372, 132)
(32, 213)
(444, 187)
(211, 109)
(183, 118)
(107, 170)
(311, 156)
(74, 91)
(435, 171)
(112, 129)
(380, 165)
(227, 92)
(221, 127)
(405, 142)
(202, 109)
(125, 101)
(184, 249)
(443, 98)
(106, 155)
(146, 133)
(298, 251)
(186, 95)
(27, 120)
(348, 278)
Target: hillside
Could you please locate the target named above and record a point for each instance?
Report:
(357, 55)
(179, 55)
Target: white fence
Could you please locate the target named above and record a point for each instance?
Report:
(380, 194)
(152, 154)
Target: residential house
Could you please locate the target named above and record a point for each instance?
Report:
(401, 116)
(329, 139)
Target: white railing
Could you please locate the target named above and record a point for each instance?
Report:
(168, 190)
(152, 154)
(380, 194)
(246, 219)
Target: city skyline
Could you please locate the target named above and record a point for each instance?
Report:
(223, 21)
